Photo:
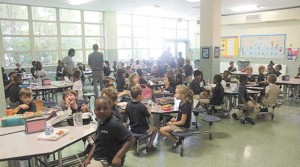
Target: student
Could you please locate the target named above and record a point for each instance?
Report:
(134, 80)
(183, 120)
(188, 70)
(106, 68)
(226, 76)
(178, 76)
(141, 76)
(245, 100)
(180, 60)
(120, 80)
(197, 85)
(298, 75)
(250, 77)
(169, 85)
(4, 75)
(154, 70)
(113, 139)
(25, 105)
(137, 65)
(33, 68)
(272, 92)
(160, 69)
(261, 77)
(39, 73)
(19, 69)
(71, 103)
(14, 90)
(108, 82)
(9, 83)
(277, 71)
(113, 95)
(77, 84)
(270, 69)
(217, 92)
(59, 71)
(138, 114)
(231, 67)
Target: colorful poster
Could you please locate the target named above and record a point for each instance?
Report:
(230, 46)
(293, 54)
(263, 46)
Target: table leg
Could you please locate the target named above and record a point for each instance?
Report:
(60, 163)
(32, 161)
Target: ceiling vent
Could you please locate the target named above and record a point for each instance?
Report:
(253, 17)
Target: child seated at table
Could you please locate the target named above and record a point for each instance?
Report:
(138, 114)
(277, 71)
(120, 80)
(244, 100)
(134, 80)
(71, 103)
(178, 77)
(217, 91)
(108, 82)
(197, 86)
(113, 95)
(25, 105)
(271, 93)
(298, 75)
(231, 67)
(15, 89)
(169, 85)
(250, 77)
(188, 70)
(112, 140)
(226, 76)
(261, 77)
(141, 76)
(183, 120)
(77, 84)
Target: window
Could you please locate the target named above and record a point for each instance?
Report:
(9, 11)
(124, 43)
(14, 27)
(71, 42)
(44, 28)
(45, 14)
(124, 31)
(124, 19)
(67, 15)
(93, 17)
(70, 29)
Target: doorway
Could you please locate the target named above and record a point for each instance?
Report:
(177, 46)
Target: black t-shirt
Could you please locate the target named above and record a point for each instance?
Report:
(171, 89)
(231, 69)
(243, 93)
(120, 81)
(110, 137)
(188, 70)
(13, 92)
(137, 114)
(261, 77)
(277, 73)
(218, 95)
(32, 107)
(7, 90)
(19, 71)
(195, 86)
(116, 112)
(251, 78)
(59, 71)
(79, 104)
(185, 108)
(143, 81)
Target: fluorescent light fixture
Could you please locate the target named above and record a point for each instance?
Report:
(245, 8)
(193, 0)
(78, 2)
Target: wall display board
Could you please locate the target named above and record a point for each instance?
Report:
(229, 46)
(263, 46)
(292, 54)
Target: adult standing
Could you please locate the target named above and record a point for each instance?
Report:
(69, 61)
(96, 61)
(166, 57)
(180, 60)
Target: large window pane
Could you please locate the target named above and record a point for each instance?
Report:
(155, 32)
(93, 30)
(140, 53)
(140, 21)
(71, 42)
(45, 43)
(182, 34)
(70, 15)
(124, 54)
(140, 31)
(156, 43)
(78, 55)
(140, 42)
(156, 22)
(47, 57)
(14, 27)
(169, 23)
(13, 11)
(44, 28)
(155, 53)
(11, 58)
(124, 42)
(90, 41)
(16, 43)
(41, 13)
(70, 29)
(170, 34)
(182, 25)
(93, 17)
(124, 31)
(124, 19)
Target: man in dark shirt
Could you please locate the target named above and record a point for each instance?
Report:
(113, 139)
(138, 114)
(244, 100)
(180, 60)
(25, 104)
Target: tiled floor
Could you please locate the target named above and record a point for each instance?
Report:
(267, 144)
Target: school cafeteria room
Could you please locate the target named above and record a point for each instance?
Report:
(149, 83)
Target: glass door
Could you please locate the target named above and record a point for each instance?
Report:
(177, 46)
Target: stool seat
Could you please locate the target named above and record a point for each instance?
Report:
(210, 118)
(88, 94)
(136, 135)
(199, 110)
(186, 133)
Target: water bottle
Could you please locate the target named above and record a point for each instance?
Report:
(47, 130)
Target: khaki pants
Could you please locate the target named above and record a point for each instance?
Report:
(253, 109)
(188, 79)
(97, 78)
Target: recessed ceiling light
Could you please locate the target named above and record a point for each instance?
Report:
(245, 8)
(78, 2)
(193, 0)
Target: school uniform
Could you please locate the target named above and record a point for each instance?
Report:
(120, 81)
(137, 113)
(272, 90)
(197, 88)
(111, 134)
(13, 93)
(251, 78)
(171, 89)
(117, 113)
(32, 107)
(184, 108)
(188, 70)
(217, 95)
(231, 69)
(20, 71)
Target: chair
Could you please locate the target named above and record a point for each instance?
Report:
(39, 105)
(266, 111)
(184, 135)
(88, 95)
(141, 142)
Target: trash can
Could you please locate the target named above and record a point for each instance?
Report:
(242, 64)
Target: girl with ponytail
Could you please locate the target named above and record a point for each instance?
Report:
(183, 120)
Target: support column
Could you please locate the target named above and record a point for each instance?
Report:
(111, 38)
(210, 36)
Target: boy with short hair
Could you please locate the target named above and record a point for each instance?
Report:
(246, 102)
(25, 104)
(138, 114)
(218, 91)
(113, 139)
(272, 92)
(231, 67)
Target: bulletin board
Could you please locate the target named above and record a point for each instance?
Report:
(263, 46)
(229, 46)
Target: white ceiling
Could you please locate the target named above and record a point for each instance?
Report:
(167, 8)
